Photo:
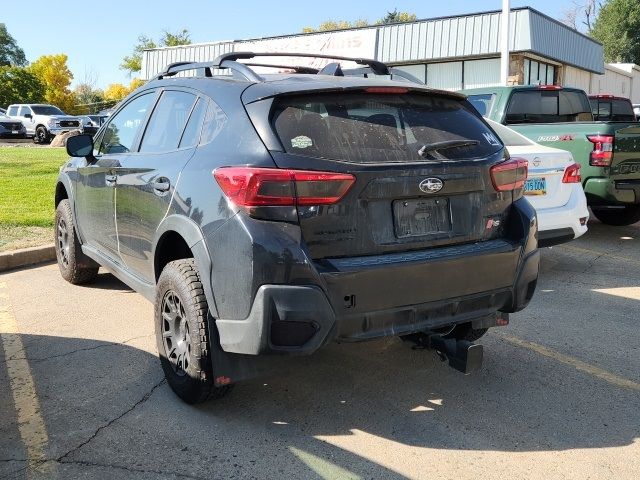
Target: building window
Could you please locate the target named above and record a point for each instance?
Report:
(538, 73)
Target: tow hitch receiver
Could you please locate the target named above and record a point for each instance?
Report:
(464, 356)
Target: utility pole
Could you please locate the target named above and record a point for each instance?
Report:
(504, 43)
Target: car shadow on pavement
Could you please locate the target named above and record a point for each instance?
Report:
(348, 411)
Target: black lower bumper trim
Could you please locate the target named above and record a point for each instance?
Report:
(548, 238)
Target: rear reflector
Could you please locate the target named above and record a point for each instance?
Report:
(602, 153)
(509, 175)
(386, 90)
(266, 187)
(572, 174)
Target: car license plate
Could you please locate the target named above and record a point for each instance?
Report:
(414, 218)
(535, 186)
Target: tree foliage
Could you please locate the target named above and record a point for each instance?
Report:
(618, 29)
(397, 17)
(117, 91)
(390, 17)
(133, 63)
(19, 85)
(53, 72)
(10, 52)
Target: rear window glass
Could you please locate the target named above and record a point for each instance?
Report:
(380, 128)
(482, 102)
(548, 106)
(613, 110)
(509, 137)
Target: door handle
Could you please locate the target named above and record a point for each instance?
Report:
(161, 185)
(110, 180)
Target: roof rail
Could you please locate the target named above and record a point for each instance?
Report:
(230, 61)
(377, 67)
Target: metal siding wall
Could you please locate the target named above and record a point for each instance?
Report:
(612, 82)
(418, 71)
(559, 42)
(445, 76)
(576, 78)
(482, 73)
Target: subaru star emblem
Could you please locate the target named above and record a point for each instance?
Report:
(431, 185)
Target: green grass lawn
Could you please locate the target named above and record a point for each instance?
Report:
(27, 186)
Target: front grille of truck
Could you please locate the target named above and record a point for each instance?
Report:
(69, 123)
(11, 126)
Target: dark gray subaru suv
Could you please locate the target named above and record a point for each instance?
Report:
(269, 214)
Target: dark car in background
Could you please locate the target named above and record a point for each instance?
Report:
(10, 128)
(609, 108)
(268, 215)
(91, 123)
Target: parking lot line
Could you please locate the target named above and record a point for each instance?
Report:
(603, 254)
(29, 419)
(573, 362)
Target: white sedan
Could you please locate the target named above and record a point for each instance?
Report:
(553, 187)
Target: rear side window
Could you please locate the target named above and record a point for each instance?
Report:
(482, 102)
(382, 128)
(13, 111)
(612, 110)
(191, 135)
(548, 106)
(167, 122)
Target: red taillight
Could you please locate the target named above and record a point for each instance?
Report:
(259, 187)
(602, 153)
(386, 90)
(509, 175)
(572, 174)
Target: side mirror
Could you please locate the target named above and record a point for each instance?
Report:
(28, 115)
(80, 146)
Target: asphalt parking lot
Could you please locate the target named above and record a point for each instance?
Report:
(82, 393)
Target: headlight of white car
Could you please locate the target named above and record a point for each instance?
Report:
(51, 123)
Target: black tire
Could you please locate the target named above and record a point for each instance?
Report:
(181, 322)
(465, 331)
(41, 136)
(620, 217)
(75, 266)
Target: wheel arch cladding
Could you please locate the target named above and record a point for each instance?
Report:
(180, 237)
(61, 192)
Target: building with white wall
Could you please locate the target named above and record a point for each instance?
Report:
(452, 53)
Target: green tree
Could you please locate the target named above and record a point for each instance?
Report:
(19, 85)
(618, 29)
(390, 17)
(10, 52)
(397, 17)
(53, 72)
(133, 63)
(85, 95)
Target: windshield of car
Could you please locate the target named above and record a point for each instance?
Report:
(548, 106)
(46, 110)
(482, 102)
(381, 128)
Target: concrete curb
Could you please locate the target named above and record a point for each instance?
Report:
(26, 256)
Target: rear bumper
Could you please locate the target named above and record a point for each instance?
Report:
(562, 224)
(602, 191)
(363, 298)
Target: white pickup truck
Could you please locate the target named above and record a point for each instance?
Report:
(43, 122)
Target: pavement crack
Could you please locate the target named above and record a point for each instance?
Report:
(130, 469)
(86, 349)
(111, 422)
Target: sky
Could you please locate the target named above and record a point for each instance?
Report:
(97, 35)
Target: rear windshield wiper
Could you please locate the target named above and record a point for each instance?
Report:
(437, 146)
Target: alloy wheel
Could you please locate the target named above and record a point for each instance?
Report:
(175, 333)
(63, 242)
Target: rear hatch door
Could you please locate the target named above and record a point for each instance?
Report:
(402, 199)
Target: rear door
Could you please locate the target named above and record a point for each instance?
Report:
(407, 194)
(147, 178)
